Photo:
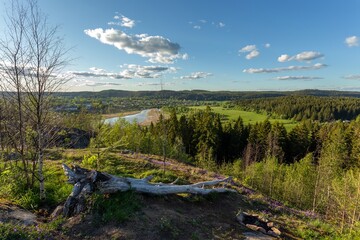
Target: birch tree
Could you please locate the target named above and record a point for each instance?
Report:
(37, 55)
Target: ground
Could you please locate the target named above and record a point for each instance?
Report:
(180, 216)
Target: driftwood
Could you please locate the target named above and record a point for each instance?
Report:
(88, 181)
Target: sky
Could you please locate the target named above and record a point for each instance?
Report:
(232, 45)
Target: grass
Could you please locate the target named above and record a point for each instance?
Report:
(248, 117)
(116, 207)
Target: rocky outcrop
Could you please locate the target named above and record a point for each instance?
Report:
(256, 223)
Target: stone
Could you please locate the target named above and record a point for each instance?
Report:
(270, 224)
(276, 231)
(57, 212)
(252, 227)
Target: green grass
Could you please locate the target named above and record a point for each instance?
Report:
(248, 117)
(116, 207)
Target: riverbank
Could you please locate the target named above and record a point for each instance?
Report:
(152, 117)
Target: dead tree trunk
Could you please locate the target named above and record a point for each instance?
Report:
(88, 181)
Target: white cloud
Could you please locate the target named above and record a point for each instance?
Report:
(303, 56)
(124, 21)
(307, 56)
(352, 41)
(290, 68)
(252, 54)
(251, 50)
(130, 71)
(197, 75)
(284, 58)
(90, 83)
(203, 21)
(157, 48)
(267, 45)
(297, 78)
(137, 71)
(221, 24)
(97, 70)
(248, 48)
(353, 77)
(197, 27)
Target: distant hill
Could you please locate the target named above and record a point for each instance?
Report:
(203, 95)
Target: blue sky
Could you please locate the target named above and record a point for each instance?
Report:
(209, 44)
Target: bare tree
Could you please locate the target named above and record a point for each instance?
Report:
(12, 65)
(37, 56)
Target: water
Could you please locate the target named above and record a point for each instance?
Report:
(139, 117)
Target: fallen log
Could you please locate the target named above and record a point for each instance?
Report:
(88, 181)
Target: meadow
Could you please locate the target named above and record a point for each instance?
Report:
(231, 114)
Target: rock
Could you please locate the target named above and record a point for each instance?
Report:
(260, 229)
(57, 212)
(271, 233)
(270, 224)
(256, 236)
(252, 227)
(276, 231)
(241, 217)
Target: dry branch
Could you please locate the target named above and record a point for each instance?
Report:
(88, 181)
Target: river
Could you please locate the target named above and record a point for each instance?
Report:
(139, 117)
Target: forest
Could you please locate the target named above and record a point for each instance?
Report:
(313, 167)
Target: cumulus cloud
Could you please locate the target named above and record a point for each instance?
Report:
(197, 27)
(267, 45)
(283, 69)
(92, 74)
(251, 50)
(156, 48)
(305, 78)
(352, 41)
(123, 21)
(303, 56)
(252, 54)
(138, 71)
(248, 48)
(90, 83)
(284, 58)
(353, 77)
(130, 71)
(197, 75)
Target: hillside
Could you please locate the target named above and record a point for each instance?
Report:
(174, 216)
(202, 95)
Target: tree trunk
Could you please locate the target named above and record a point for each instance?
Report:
(88, 181)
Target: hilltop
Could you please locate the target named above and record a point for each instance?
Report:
(203, 95)
(179, 216)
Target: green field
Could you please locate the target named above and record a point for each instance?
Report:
(248, 117)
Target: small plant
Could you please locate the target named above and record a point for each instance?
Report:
(14, 232)
(167, 227)
(115, 207)
(90, 161)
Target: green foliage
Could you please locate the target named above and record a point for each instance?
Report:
(116, 207)
(29, 199)
(302, 108)
(13, 187)
(159, 176)
(317, 229)
(90, 161)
